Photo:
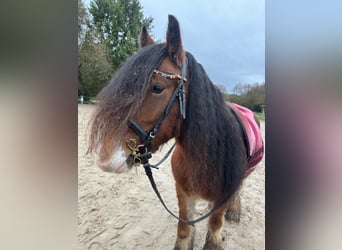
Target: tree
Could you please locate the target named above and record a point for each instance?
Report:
(250, 96)
(94, 64)
(222, 88)
(82, 20)
(242, 88)
(119, 23)
(95, 67)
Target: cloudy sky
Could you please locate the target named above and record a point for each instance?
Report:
(226, 36)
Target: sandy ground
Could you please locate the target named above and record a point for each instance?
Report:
(122, 211)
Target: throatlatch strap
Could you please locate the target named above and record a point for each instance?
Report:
(164, 158)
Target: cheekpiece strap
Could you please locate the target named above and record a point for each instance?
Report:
(181, 91)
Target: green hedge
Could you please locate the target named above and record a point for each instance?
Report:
(86, 100)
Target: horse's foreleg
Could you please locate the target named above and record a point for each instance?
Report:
(185, 232)
(214, 240)
(234, 208)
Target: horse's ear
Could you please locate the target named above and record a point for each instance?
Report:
(174, 42)
(145, 38)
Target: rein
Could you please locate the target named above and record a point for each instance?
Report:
(141, 154)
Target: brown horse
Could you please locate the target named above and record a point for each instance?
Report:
(160, 93)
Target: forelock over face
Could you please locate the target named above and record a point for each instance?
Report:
(119, 101)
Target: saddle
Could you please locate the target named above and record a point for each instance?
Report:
(252, 135)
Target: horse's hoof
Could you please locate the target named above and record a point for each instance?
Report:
(182, 248)
(210, 245)
(185, 244)
(232, 216)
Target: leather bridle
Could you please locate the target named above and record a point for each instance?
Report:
(141, 154)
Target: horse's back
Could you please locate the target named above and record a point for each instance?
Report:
(251, 126)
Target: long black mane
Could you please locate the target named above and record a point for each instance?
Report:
(211, 133)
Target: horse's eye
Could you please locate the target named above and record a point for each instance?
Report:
(157, 88)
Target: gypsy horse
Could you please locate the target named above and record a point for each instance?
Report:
(162, 92)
